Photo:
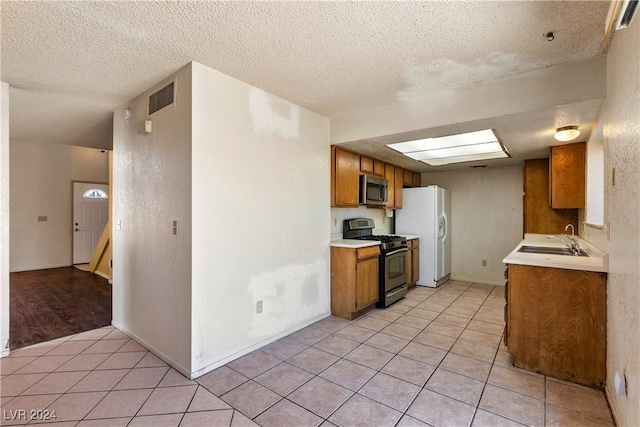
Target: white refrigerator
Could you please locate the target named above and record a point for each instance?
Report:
(426, 211)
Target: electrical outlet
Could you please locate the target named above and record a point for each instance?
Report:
(335, 222)
(484, 262)
(42, 219)
(175, 228)
(259, 307)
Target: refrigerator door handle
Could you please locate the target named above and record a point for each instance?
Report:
(445, 226)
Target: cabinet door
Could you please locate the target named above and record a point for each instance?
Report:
(345, 175)
(415, 264)
(417, 180)
(366, 282)
(567, 176)
(399, 179)
(557, 322)
(371, 166)
(409, 259)
(407, 178)
(378, 168)
(390, 175)
(366, 165)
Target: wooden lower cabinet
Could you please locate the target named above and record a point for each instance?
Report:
(354, 280)
(556, 322)
(413, 261)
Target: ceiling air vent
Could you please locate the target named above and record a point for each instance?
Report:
(160, 99)
(628, 11)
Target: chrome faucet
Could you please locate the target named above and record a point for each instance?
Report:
(573, 246)
(572, 229)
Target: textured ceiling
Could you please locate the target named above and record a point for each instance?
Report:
(70, 64)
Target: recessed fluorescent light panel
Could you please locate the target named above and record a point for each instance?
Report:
(464, 147)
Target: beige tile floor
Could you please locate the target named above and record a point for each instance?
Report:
(435, 358)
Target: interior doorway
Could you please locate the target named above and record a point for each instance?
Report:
(90, 215)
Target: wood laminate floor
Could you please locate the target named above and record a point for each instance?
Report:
(53, 303)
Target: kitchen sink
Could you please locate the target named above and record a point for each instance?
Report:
(549, 250)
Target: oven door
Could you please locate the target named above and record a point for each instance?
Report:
(395, 270)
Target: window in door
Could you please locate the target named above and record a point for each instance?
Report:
(95, 193)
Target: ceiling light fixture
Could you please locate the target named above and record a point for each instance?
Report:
(567, 133)
(550, 37)
(464, 147)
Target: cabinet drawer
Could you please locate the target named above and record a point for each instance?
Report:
(368, 252)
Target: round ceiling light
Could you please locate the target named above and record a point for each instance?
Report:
(567, 133)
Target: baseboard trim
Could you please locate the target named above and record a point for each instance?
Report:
(210, 367)
(220, 362)
(481, 282)
(184, 371)
(612, 406)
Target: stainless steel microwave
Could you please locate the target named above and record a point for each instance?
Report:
(373, 190)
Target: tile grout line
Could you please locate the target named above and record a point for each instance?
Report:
(486, 302)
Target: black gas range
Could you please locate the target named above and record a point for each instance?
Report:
(393, 258)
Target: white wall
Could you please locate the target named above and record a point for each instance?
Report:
(261, 180)
(152, 188)
(486, 220)
(41, 185)
(621, 118)
(4, 219)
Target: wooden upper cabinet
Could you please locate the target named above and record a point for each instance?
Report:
(399, 179)
(371, 166)
(411, 179)
(366, 165)
(345, 173)
(539, 218)
(407, 178)
(378, 168)
(567, 176)
(346, 168)
(390, 175)
(417, 179)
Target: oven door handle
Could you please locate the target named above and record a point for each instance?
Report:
(399, 289)
(397, 251)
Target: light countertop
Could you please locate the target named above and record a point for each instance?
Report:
(410, 236)
(353, 243)
(597, 260)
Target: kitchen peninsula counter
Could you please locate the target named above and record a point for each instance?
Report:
(556, 311)
(597, 260)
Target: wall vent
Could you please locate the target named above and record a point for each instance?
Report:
(161, 99)
(628, 11)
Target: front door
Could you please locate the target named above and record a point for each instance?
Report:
(90, 215)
